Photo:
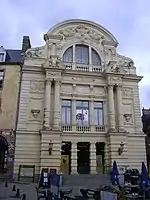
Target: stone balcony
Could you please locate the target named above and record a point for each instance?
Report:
(69, 128)
(83, 67)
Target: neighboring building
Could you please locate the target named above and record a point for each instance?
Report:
(79, 104)
(10, 68)
(146, 130)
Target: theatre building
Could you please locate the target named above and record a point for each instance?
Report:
(79, 105)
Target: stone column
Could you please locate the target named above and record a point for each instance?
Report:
(57, 104)
(73, 114)
(74, 158)
(111, 109)
(47, 104)
(91, 115)
(93, 158)
(119, 108)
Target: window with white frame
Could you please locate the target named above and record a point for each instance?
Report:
(98, 113)
(2, 55)
(66, 112)
(82, 113)
(1, 78)
(82, 55)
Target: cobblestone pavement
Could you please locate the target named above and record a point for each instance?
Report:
(25, 188)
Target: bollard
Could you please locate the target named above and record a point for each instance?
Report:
(6, 184)
(24, 197)
(14, 188)
(18, 193)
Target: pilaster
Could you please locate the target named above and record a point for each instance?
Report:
(93, 158)
(74, 158)
(119, 108)
(111, 109)
(47, 103)
(57, 104)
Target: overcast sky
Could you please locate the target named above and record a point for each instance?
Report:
(128, 20)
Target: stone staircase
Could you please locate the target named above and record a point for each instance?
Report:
(85, 180)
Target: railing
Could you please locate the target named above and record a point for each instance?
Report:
(68, 128)
(100, 128)
(68, 66)
(83, 128)
(83, 67)
(97, 69)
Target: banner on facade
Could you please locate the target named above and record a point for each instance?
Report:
(64, 164)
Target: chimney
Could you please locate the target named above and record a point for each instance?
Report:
(26, 44)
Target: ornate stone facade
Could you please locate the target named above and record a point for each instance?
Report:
(48, 79)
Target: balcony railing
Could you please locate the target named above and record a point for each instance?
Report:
(100, 128)
(83, 128)
(83, 67)
(68, 128)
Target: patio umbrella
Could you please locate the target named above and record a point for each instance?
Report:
(144, 177)
(115, 174)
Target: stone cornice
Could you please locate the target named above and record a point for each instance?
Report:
(133, 78)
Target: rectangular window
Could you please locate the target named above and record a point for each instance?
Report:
(98, 114)
(1, 78)
(66, 112)
(1, 57)
(82, 113)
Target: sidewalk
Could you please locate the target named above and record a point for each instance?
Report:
(26, 188)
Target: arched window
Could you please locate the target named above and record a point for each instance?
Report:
(95, 58)
(82, 54)
(68, 55)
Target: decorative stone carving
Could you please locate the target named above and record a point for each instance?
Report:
(53, 75)
(53, 62)
(127, 92)
(125, 61)
(35, 112)
(112, 67)
(114, 81)
(35, 53)
(128, 119)
(82, 33)
(37, 86)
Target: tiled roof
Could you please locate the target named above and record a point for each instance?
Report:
(13, 56)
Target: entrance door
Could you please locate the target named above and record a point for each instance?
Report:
(66, 157)
(100, 157)
(83, 162)
(3, 154)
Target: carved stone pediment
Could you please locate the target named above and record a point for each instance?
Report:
(82, 33)
(112, 67)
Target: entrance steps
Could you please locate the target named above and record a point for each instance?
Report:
(85, 180)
